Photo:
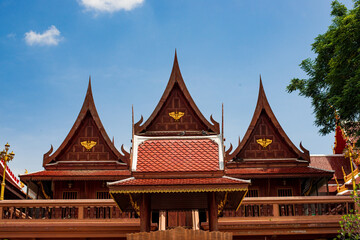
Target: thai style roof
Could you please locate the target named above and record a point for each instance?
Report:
(265, 138)
(279, 172)
(127, 192)
(177, 154)
(76, 175)
(87, 142)
(335, 162)
(159, 185)
(176, 112)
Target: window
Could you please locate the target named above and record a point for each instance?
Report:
(253, 193)
(102, 195)
(69, 195)
(285, 192)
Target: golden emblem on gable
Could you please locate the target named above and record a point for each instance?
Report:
(88, 144)
(264, 142)
(176, 115)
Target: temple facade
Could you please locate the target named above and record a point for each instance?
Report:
(178, 172)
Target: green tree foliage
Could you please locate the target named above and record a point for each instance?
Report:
(334, 75)
(350, 223)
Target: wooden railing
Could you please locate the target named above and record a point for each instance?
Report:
(62, 209)
(293, 206)
(107, 209)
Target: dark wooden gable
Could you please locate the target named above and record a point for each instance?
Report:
(176, 99)
(264, 126)
(87, 127)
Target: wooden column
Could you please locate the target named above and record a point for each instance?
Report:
(162, 220)
(145, 213)
(213, 212)
(195, 219)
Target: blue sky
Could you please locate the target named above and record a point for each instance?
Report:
(48, 49)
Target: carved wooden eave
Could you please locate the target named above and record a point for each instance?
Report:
(263, 110)
(88, 112)
(176, 85)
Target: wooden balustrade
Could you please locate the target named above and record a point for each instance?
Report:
(62, 209)
(293, 206)
(107, 209)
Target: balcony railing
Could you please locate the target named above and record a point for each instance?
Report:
(107, 209)
(292, 206)
(62, 209)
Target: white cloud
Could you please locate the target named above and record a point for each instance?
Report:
(110, 5)
(50, 37)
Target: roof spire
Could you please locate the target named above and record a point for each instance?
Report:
(176, 68)
(89, 85)
(262, 95)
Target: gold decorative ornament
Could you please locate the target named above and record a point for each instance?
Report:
(176, 115)
(88, 144)
(222, 204)
(134, 205)
(264, 142)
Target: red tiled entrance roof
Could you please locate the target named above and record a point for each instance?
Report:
(176, 181)
(178, 155)
(178, 185)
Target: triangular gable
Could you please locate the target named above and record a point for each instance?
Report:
(176, 112)
(87, 128)
(263, 129)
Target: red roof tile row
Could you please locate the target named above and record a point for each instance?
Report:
(177, 181)
(178, 155)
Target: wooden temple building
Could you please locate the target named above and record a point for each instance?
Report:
(178, 173)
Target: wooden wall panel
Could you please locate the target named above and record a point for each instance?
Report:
(84, 189)
(269, 187)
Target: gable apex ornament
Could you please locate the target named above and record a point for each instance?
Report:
(176, 115)
(264, 142)
(88, 145)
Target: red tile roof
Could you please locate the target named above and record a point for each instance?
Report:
(76, 174)
(178, 155)
(177, 181)
(143, 185)
(332, 162)
(276, 172)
